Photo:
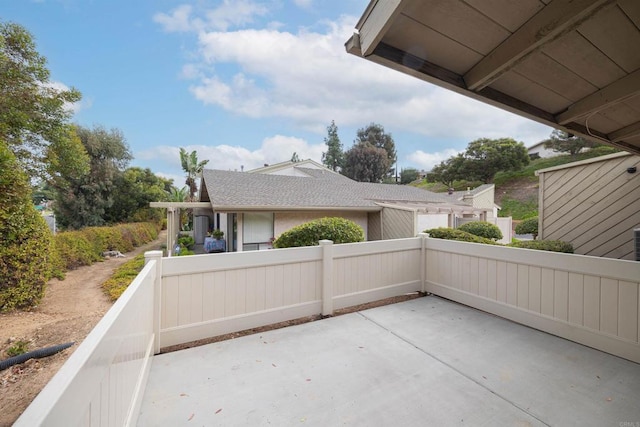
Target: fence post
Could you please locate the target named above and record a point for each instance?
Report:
(327, 277)
(423, 261)
(157, 296)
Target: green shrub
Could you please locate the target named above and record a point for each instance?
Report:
(528, 226)
(122, 277)
(339, 230)
(186, 242)
(25, 240)
(544, 245)
(457, 234)
(483, 229)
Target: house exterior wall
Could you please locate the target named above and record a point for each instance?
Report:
(286, 220)
(541, 151)
(594, 205)
(374, 226)
(398, 223)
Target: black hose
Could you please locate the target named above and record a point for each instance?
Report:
(35, 354)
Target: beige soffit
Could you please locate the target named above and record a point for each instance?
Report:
(570, 64)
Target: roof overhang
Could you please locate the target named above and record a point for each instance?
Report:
(435, 208)
(237, 209)
(570, 64)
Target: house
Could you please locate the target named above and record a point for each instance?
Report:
(593, 204)
(257, 206)
(519, 55)
(538, 151)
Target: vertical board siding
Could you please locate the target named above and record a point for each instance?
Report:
(102, 380)
(591, 300)
(210, 295)
(593, 205)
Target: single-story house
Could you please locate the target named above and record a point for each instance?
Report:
(593, 204)
(254, 207)
(538, 150)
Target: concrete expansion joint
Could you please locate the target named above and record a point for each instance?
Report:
(425, 352)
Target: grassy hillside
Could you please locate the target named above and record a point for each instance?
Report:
(517, 192)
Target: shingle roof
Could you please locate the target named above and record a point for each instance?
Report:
(320, 189)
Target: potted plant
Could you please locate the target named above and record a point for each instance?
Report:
(217, 234)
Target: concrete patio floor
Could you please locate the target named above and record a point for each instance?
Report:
(424, 362)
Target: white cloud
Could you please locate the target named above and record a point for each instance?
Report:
(308, 78)
(273, 149)
(236, 13)
(179, 20)
(427, 161)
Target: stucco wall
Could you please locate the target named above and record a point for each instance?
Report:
(286, 220)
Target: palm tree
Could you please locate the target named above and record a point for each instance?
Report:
(193, 168)
(178, 194)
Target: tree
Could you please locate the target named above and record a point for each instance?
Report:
(563, 142)
(295, 158)
(366, 163)
(333, 158)
(84, 200)
(134, 189)
(33, 112)
(448, 171)
(485, 157)
(193, 168)
(374, 134)
(408, 175)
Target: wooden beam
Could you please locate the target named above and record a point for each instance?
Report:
(626, 132)
(617, 91)
(554, 20)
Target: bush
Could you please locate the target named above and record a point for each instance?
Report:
(528, 226)
(457, 234)
(25, 240)
(544, 245)
(186, 242)
(86, 246)
(122, 277)
(339, 230)
(482, 229)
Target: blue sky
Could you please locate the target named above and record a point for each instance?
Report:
(244, 82)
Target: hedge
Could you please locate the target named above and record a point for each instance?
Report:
(544, 245)
(123, 276)
(338, 230)
(26, 249)
(457, 234)
(483, 229)
(528, 226)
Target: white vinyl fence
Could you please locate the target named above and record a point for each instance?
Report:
(590, 300)
(593, 301)
(209, 295)
(102, 382)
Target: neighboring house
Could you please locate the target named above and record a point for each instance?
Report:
(539, 151)
(254, 207)
(593, 204)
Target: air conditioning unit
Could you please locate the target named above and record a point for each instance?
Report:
(636, 242)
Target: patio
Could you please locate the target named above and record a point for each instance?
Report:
(428, 361)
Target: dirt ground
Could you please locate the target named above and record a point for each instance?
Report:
(69, 310)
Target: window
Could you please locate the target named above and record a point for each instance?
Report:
(257, 227)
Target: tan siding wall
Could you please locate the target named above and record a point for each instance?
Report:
(287, 220)
(397, 224)
(375, 226)
(593, 206)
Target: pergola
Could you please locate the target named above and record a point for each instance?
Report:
(570, 64)
(173, 218)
